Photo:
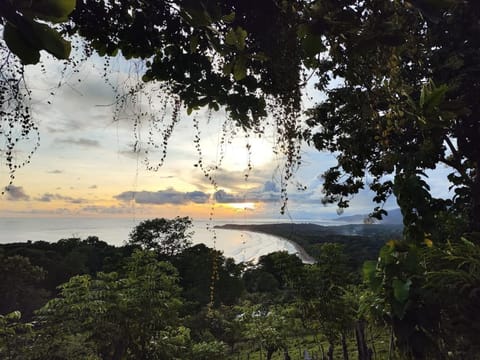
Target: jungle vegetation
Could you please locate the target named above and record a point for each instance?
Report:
(402, 89)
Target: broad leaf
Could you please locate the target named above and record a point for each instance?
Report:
(239, 69)
(197, 17)
(312, 45)
(52, 10)
(19, 45)
(228, 18)
(369, 269)
(52, 41)
(194, 43)
(236, 37)
(401, 289)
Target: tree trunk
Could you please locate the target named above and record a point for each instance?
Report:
(344, 347)
(331, 347)
(374, 350)
(286, 355)
(392, 343)
(270, 352)
(475, 221)
(363, 353)
(322, 350)
(120, 348)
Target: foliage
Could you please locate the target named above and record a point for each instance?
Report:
(267, 327)
(321, 294)
(166, 237)
(402, 103)
(133, 316)
(66, 258)
(92, 315)
(19, 285)
(402, 89)
(453, 278)
(13, 336)
(213, 350)
(209, 53)
(195, 266)
(25, 31)
(429, 296)
(400, 298)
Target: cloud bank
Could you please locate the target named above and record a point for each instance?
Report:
(168, 196)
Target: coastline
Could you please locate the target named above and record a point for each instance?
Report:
(300, 251)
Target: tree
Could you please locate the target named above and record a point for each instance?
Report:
(401, 80)
(453, 282)
(285, 267)
(14, 336)
(166, 237)
(207, 277)
(115, 317)
(321, 296)
(403, 104)
(403, 99)
(267, 327)
(213, 350)
(209, 53)
(19, 285)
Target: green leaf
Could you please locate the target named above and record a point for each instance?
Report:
(52, 10)
(227, 68)
(197, 17)
(239, 69)
(303, 30)
(19, 45)
(369, 270)
(194, 43)
(401, 289)
(15, 315)
(312, 45)
(370, 275)
(51, 41)
(435, 97)
(230, 38)
(399, 309)
(411, 262)
(260, 56)
(229, 18)
(147, 77)
(236, 37)
(386, 253)
(422, 96)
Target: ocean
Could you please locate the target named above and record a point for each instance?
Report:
(240, 245)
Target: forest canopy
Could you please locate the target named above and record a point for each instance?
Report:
(401, 88)
(399, 79)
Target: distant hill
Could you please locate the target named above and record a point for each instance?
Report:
(394, 218)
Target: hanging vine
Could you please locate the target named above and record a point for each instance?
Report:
(16, 123)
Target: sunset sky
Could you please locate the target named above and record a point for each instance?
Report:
(86, 165)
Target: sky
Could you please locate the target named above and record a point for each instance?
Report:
(87, 164)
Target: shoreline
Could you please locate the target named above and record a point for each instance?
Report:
(300, 251)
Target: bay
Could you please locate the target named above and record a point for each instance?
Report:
(240, 245)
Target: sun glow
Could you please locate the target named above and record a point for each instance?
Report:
(243, 206)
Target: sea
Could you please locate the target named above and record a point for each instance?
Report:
(242, 246)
